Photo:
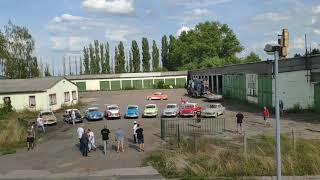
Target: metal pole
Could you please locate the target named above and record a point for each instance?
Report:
(276, 58)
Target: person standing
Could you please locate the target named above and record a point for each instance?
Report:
(40, 124)
(281, 107)
(239, 117)
(140, 138)
(91, 143)
(134, 132)
(80, 132)
(119, 138)
(30, 137)
(105, 137)
(266, 116)
(84, 144)
(73, 117)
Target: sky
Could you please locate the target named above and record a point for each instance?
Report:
(61, 28)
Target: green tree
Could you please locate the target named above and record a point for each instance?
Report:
(315, 51)
(80, 65)
(86, 61)
(121, 58)
(102, 60)
(34, 68)
(92, 59)
(130, 62)
(47, 71)
(97, 57)
(116, 60)
(164, 51)
(107, 58)
(252, 57)
(135, 56)
(145, 55)
(155, 56)
(297, 55)
(171, 64)
(3, 49)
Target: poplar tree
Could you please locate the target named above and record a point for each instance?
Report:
(102, 59)
(145, 55)
(107, 58)
(86, 61)
(155, 56)
(97, 57)
(121, 58)
(92, 59)
(116, 61)
(135, 56)
(130, 62)
(164, 51)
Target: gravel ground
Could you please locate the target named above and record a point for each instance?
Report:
(59, 153)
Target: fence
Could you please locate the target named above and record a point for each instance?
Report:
(184, 127)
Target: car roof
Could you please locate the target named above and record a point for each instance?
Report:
(151, 105)
(133, 106)
(172, 104)
(72, 109)
(158, 92)
(92, 108)
(190, 104)
(45, 111)
(112, 105)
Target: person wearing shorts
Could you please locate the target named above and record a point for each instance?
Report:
(140, 138)
(119, 138)
(239, 117)
(30, 138)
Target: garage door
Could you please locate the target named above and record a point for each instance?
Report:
(170, 81)
(126, 84)
(148, 83)
(104, 86)
(81, 86)
(137, 84)
(181, 82)
(115, 85)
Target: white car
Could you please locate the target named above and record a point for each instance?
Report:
(213, 110)
(112, 111)
(48, 117)
(171, 110)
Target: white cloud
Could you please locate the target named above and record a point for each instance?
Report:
(271, 16)
(299, 43)
(110, 6)
(317, 9)
(200, 12)
(120, 33)
(183, 28)
(316, 31)
(67, 18)
(71, 43)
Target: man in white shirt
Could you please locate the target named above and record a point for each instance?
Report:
(73, 117)
(80, 131)
(40, 124)
(134, 131)
(91, 140)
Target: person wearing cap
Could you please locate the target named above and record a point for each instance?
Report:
(134, 132)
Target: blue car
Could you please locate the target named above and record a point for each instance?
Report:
(132, 111)
(93, 114)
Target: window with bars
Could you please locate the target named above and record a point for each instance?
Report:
(252, 85)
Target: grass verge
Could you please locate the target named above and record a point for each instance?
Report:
(220, 158)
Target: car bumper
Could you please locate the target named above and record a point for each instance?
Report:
(169, 115)
(131, 116)
(95, 118)
(113, 116)
(50, 122)
(150, 115)
(208, 115)
(189, 114)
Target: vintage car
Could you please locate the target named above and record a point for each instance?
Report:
(112, 111)
(93, 114)
(213, 110)
(171, 110)
(67, 116)
(48, 117)
(213, 97)
(189, 109)
(157, 96)
(150, 110)
(132, 111)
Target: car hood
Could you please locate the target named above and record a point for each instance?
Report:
(150, 110)
(95, 113)
(48, 117)
(187, 110)
(209, 110)
(114, 111)
(132, 111)
(170, 110)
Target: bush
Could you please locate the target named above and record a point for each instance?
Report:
(162, 85)
(295, 109)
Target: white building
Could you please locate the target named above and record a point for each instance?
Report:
(38, 93)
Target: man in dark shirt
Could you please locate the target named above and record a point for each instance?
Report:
(140, 138)
(105, 137)
(239, 117)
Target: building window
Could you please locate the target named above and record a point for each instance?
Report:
(66, 96)
(52, 99)
(252, 85)
(74, 95)
(6, 100)
(32, 101)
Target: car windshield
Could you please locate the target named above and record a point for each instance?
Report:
(113, 108)
(157, 93)
(46, 113)
(171, 106)
(132, 107)
(188, 106)
(93, 110)
(150, 106)
(212, 106)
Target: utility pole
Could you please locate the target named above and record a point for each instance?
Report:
(70, 66)
(80, 65)
(276, 71)
(64, 65)
(76, 64)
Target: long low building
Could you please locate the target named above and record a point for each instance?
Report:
(254, 82)
(111, 82)
(38, 93)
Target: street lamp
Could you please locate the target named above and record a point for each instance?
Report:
(274, 50)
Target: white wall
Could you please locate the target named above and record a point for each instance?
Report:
(21, 101)
(59, 89)
(252, 99)
(295, 88)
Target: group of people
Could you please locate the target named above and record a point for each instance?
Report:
(87, 138)
(72, 116)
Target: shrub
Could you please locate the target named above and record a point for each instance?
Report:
(162, 85)
(295, 109)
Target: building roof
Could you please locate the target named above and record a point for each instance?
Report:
(128, 75)
(27, 85)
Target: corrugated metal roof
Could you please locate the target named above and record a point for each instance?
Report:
(127, 75)
(27, 85)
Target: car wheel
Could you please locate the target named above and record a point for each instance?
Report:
(149, 98)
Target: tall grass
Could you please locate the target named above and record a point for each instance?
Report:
(217, 158)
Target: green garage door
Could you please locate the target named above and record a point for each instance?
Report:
(137, 84)
(148, 83)
(115, 85)
(265, 91)
(180, 82)
(170, 81)
(81, 86)
(126, 84)
(156, 81)
(317, 97)
(104, 86)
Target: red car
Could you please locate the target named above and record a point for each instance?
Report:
(189, 109)
(157, 96)
(112, 111)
